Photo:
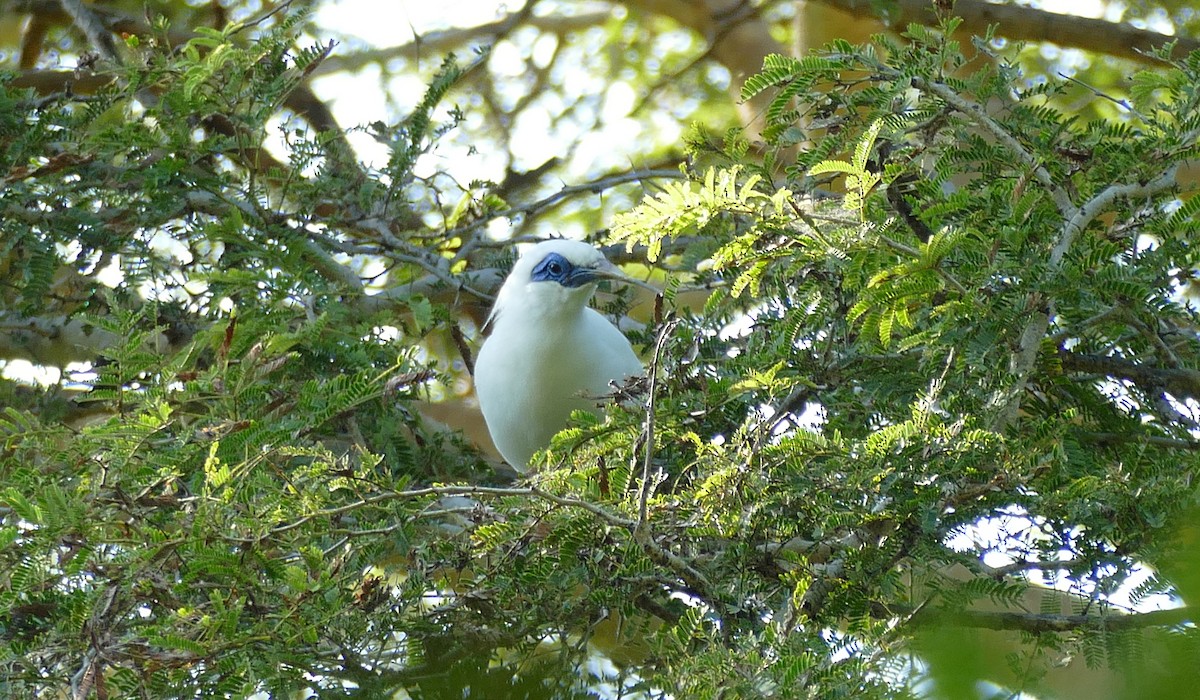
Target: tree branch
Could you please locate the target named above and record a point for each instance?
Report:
(691, 577)
(1152, 440)
(98, 35)
(57, 340)
(99, 24)
(1076, 220)
(738, 38)
(596, 186)
(1179, 382)
(1037, 623)
(1095, 206)
(648, 426)
(434, 44)
(112, 19)
(979, 115)
(1023, 565)
(1023, 23)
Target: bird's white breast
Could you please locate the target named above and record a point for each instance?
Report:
(530, 376)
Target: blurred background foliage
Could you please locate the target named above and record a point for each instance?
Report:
(925, 409)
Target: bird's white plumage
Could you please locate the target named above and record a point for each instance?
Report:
(548, 352)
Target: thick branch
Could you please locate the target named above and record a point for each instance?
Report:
(1023, 23)
(1037, 623)
(1076, 220)
(1181, 382)
(1087, 213)
(1024, 565)
(112, 19)
(55, 341)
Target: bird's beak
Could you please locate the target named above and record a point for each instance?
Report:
(612, 272)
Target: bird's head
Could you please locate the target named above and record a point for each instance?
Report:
(554, 277)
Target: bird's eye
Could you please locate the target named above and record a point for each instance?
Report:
(555, 268)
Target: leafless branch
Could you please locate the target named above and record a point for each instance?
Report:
(98, 35)
(434, 44)
(1031, 565)
(648, 481)
(1025, 23)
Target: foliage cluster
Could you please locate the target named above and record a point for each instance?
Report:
(943, 322)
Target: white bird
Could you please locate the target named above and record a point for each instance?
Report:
(548, 353)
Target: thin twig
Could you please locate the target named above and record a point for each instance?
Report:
(593, 187)
(1123, 104)
(610, 518)
(1077, 329)
(980, 116)
(692, 577)
(648, 425)
(98, 35)
(907, 250)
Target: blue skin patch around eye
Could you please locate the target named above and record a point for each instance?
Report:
(556, 268)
